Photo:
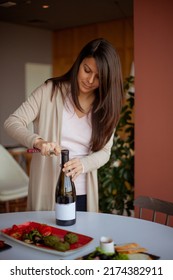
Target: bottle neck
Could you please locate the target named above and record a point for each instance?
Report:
(64, 157)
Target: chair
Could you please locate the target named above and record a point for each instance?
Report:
(156, 205)
(13, 179)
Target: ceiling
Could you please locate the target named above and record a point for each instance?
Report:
(63, 13)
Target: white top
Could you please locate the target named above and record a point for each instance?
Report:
(76, 135)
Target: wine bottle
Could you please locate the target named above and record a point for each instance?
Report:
(65, 196)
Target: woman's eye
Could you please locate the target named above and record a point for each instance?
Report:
(87, 70)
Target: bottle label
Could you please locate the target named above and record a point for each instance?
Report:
(65, 212)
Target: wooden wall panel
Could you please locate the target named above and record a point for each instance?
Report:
(68, 42)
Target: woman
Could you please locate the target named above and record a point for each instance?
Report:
(78, 111)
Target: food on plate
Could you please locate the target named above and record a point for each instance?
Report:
(62, 246)
(130, 248)
(33, 236)
(71, 237)
(99, 254)
(45, 230)
(56, 243)
(2, 244)
(43, 235)
(127, 251)
(51, 240)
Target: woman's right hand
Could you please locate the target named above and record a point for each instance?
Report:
(47, 148)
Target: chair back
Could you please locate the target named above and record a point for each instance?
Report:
(156, 205)
(13, 179)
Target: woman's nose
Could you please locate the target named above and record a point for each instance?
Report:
(91, 79)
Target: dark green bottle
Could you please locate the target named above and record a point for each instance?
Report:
(65, 196)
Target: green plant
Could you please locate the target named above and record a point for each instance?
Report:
(116, 178)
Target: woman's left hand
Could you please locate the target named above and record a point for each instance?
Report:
(73, 168)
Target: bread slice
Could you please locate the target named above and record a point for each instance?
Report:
(130, 248)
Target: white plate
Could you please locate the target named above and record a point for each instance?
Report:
(83, 240)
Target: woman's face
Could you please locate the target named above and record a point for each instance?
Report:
(88, 78)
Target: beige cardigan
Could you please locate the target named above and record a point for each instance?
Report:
(46, 116)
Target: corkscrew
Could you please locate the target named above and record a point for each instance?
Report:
(35, 150)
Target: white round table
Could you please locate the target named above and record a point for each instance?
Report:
(156, 238)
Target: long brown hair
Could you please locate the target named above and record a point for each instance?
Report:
(109, 96)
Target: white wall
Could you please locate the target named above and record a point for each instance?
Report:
(35, 74)
(19, 46)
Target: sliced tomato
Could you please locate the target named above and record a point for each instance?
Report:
(29, 229)
(14, 228)
(45, 230)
